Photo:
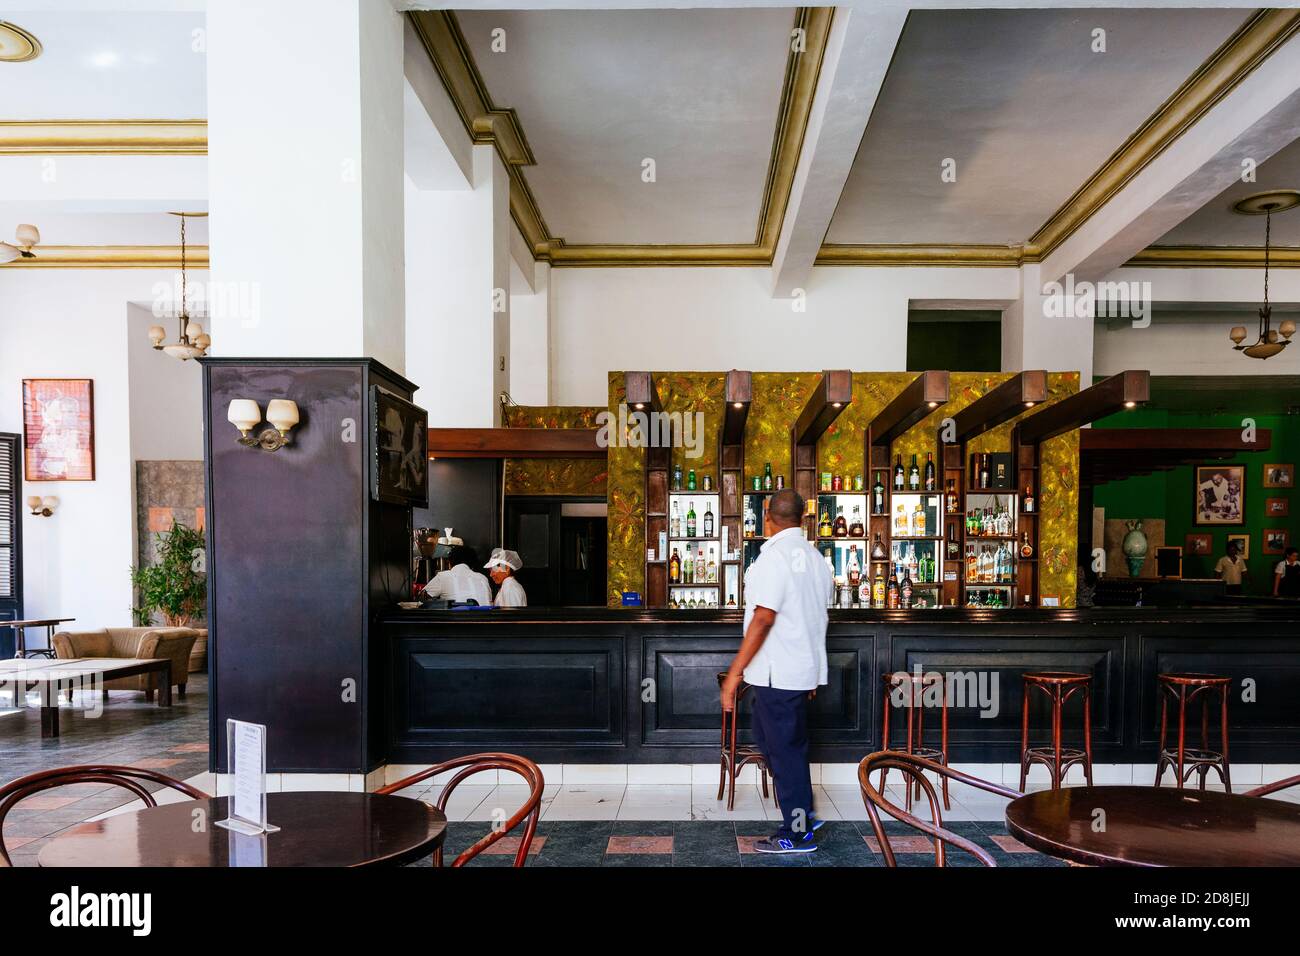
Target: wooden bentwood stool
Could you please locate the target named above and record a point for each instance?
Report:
(1185, 688)
(915, 687)
(733, 756)
(1059, 688)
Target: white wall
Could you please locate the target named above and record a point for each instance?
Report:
(530, 336)
(166, 394)
(1186, 343)
(73, 323)
(714, 319)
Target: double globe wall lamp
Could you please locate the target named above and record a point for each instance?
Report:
(245, 414)
(43, 507)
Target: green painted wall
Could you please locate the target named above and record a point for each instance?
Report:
(958, 346)
(1170, 494)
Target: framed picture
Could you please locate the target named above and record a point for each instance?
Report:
(1220, 494)
(1200, 545)
(400, 469)
(1243, 544)
(1275, 540)
(1277, 507)
(58, 429)
(1279, 476)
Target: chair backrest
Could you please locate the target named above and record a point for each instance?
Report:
(1274, 787)
(128, 778)
(912, 768)
(531, 810)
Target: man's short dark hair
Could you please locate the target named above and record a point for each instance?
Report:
(463, 554)
(786, 506)
(1289, 552)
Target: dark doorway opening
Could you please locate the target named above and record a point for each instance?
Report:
(11, 551)
(562, 543)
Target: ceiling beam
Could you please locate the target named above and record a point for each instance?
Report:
(1022, 391)
(1125, 390)
(833, 393)
(927, 392)
(738, 393)
(514, 443)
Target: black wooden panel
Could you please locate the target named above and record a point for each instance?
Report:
(515, 691)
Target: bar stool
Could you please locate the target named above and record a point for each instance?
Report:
(1185, 688)
(734, 756)
(1059, 687)
(914, 686)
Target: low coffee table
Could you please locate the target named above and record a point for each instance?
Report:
(53, 677)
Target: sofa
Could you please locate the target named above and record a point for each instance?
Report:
(173, 643)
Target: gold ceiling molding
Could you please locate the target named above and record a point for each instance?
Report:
(440, 34)
(955, 254)
(1223, 257)
(112, 257)
(1253, 43)
(104, 137)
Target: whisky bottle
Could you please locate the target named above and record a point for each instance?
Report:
(841, 527)
(898, 473)
(731, 600)
(900, 521)
(853, 568)
(1026, 548)
(675, 568)
(878, 588)
(1029, 500)
(878, 497)
(929, 471)
(675, 523)
(767, 477)
(918, 520)
(708, 520)
(856, 530)
(825, 529)
(878, 549)
(891, 590)
(953, 504)
(750, 524)
(984, 471)
(905, 589)
(690, 519)
(914, 476)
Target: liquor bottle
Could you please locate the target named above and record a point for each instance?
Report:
(929, 471)
(675, 523)
(853, 568)
(918, 520)
(701, 568)
(825, 529)
(900, 521)
(780, 482)
(690, 519)
(856, 530)
(731, 600)
(1029, 500)
(878, 589)
(953, 504)
(972, 564)
(708, 519)
(1026, 548)
(708, 482)
(767, 476)
(751, 525)
(952, 542)
(878, 497)
(864, 589)
(837, 483)
(672, 603)
(841, 527)
(677, 478)
(878, 549)
(905, 589)
(892, 595)
(688, 567)
(914, 476)
(898, 473)
(984, 471)
(675, 568)
(690, 480)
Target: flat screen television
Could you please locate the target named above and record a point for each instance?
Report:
(399, 472)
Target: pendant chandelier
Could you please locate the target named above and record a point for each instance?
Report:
(1271, 341)
(191, 340)
(26, 236)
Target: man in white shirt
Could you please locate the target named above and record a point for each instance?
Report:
(783, 659)
(461, 583)
(501, 567)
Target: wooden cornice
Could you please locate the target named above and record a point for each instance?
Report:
(514, 443)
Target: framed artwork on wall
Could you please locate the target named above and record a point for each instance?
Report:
(1220, 494)
(1277, 507)
(1276, 540)
(1200, 545)
(1243, 544)
(1279, 476)
(400, 468)
(58, 429)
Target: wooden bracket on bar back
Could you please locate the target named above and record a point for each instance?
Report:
(832, 395)
(515, 443)
(1114, 394)
(927, 392)
(739, 393)
(1022, 391)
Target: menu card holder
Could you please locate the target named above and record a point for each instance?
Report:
(246, 760)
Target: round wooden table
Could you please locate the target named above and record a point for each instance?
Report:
(1157, 826)
(316, 829)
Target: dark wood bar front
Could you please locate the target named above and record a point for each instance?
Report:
(583, 685)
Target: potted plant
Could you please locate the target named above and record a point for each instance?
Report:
(175, 586)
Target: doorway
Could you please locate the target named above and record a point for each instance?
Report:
(561, 541)
(11, 552)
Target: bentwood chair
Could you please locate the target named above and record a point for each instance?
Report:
(128, 778)
(1274, 787)
(733, 756)
(913, 769)
(477, 763)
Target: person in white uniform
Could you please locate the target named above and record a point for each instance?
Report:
(502, 567)
(782, 658)
(461, 583)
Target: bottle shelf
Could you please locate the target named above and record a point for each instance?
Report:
(693, 586)
(712, 540)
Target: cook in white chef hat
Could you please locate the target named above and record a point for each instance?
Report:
(501, 558)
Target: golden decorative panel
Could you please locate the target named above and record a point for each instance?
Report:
(1058, 503)
(778, 398)
(584, 477)
(687, 393)
(626, 498)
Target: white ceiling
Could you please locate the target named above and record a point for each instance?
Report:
(598, 92)
(1020, 101)
(107, 65)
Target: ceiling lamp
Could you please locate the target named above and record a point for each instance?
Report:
(26, 236)
(16, 44)
(191, 340)
(1270, 341)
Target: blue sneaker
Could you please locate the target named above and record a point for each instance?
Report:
(786, 843)
(817, 822)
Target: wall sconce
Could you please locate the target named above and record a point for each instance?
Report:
(245, 414)
(43, 507)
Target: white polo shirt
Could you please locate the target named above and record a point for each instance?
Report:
(461, 583)
(791, 578)
(511, 594)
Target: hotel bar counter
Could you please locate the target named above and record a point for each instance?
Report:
(595, 685)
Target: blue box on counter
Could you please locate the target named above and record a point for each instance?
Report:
(631, 598)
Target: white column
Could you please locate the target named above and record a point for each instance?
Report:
(1046, 330)
(530, 338)
(458, 295)
(305, 178)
